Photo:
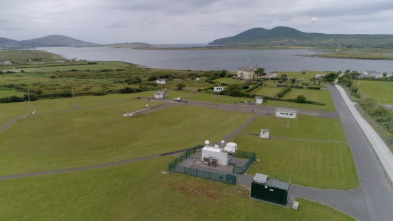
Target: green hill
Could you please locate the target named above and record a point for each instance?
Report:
(285, 36)
(48, 41)
(56, 41)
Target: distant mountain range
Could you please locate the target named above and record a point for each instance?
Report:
(48, 41)
(285, 36)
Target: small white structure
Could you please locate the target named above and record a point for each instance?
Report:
(286, 113)
(160, 81)
(295, 205)
(161, 94)
(230, 147)
(218, 89)
(259, 100)
(264, 134)
(318, 76)
(6, 63)
(214, 152)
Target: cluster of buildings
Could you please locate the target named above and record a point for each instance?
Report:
(374, 74)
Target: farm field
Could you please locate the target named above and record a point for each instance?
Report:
(100, 134)
(380, 90)
(308, 163)
(140, 191)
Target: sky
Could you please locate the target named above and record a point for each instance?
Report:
(187, 21)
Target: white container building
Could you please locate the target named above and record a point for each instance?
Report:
(286, 113)
(264, 134)
(215, 152)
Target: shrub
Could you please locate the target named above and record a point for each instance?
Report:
(301, 99)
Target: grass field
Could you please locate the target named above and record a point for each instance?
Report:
(304, 127)
(100, 134)
(308, 163)
(139, 191)
(218, 98)
(380, 90)
(68, 66)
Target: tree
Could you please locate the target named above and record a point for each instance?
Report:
(180, 86)
(301, 99)
(283, 77)
(260, 72)
(293, 80)
(313, 79)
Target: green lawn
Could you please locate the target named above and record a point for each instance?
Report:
(140, 191)
(218, 98)
(229, 81)
(380, 90)
(304, 127)
(8, 92)
(100, 134)
(308, 163)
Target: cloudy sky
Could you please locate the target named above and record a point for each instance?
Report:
(187, 21)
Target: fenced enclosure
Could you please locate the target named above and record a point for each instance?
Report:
(247, 155)
(174, 167)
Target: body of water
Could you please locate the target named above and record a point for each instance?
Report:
(271, 60)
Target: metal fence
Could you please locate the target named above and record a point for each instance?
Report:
(174, 167)
(247, 155)
(225, 178)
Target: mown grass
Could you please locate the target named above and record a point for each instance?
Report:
(308, 163)
(304, 127)
(219, 98)
(382, 91)
(140, 191)
(101, 134)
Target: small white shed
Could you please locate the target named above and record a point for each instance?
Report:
(218, 89)
(286, 113)
(259, 100)
(264, 134)
(161, 94)
(216, 152)
(160, 81)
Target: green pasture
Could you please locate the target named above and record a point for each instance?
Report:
(78, 65)
(306, 77)
(308, 163)
(266, 90)
(24, 56)
(140, 191)
(7, 92)
(229, 81)
(382, 91)
(303, 127)
(322, 96)
(100, 134)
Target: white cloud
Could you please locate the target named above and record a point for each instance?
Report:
(182, 21)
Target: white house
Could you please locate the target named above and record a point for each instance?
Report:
(218, 89)
(259, 100)
(216, 152)
(271, 75)
(6, 62)
(161, 94)
(286, 113)
(318, 76)
(264, 134)
(247, 72)
(160, 81)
